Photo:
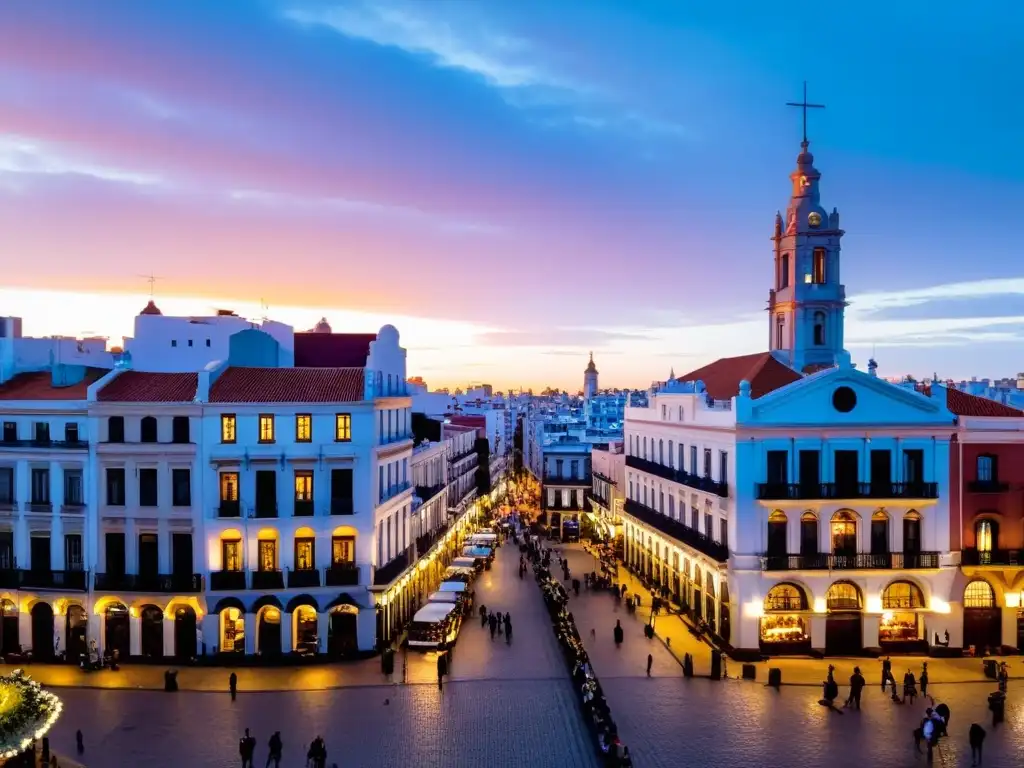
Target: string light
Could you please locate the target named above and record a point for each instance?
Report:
(46, 709)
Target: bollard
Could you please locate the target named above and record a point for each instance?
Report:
(775, 677)
(716, 665)
(687, 665)
(749, 672)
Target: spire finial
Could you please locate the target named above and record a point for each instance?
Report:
(591, 355)
(805, 106)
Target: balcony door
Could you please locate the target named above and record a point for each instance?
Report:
(881, 473)
(40, 553)
(810, 473)
(266, 493)
(114, 553)
(149, 555)
(846, 474)
(181, 554)
(844, 534)
(777, 534)
(986, 539)
(778, 468)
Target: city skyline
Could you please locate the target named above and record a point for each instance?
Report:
(547, 193)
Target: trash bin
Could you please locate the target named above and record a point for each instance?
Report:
(387, 661)
(775, 677)
(716, 665)
(997, 703)
(749, 672)
(989, 666)
(687, 665)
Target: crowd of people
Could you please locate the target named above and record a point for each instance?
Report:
(316, 755)
(592, 700)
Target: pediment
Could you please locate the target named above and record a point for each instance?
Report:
(848, 397)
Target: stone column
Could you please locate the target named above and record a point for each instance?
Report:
(366, 629)
(250, 633)
(323, 628)
(817, 623)
(210, 626)
(287, 640)
(1009, 627)
(131, 545)
(163, 538)
(168, 626)
(869, 630)
(57, 540)
(134, 634)
(60, 631)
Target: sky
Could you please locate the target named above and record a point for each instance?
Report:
(515, 184)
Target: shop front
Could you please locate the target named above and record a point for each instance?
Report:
(901, 629)
(785, 623)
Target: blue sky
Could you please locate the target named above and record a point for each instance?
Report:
(516, 183)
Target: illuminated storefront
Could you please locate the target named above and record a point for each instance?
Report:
(900, 626)
(784, 627)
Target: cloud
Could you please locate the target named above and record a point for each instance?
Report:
(559, 337)
(23, 156)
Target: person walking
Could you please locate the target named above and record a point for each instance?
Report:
(508, 629)
(79, 742)
(976, 737)
(924, 678)
(442, 669)
(887, 673)
(233, 685)
(246, 749)
(857, 683)
(499, 622)
(909, 686)
(650, 663)
(276, 748)
(617, 633)
(492, 620)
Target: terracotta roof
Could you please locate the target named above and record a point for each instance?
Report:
(722, 378)
(289, 385)
(963, 404)
(38, 385)
(332, 350)
(816, 367)
(151, 309)
(144, 387)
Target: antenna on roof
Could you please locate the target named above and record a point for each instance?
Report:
(265, 308)
(151, 279)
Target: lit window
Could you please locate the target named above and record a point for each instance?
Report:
(229, 486)
(818, 273)
(227, 428)
(343, 427)
(304, 557)
(231, 550)
(304, 485)
(267, 553)
(266, 428)
(303, 428)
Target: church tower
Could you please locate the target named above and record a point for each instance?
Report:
(590, 380)
(807, 302)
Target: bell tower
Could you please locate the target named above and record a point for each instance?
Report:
(807, 302)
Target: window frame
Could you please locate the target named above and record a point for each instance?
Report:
(266, 433)
(228, 428)
(343, 427)
(303, 428)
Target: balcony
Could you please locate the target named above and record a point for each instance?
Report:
(342, 507)
(696, 482)
(455, 459)
(68, 445)
(427, 540)
(605, 478)
(391, 439)
(73, 507)
(818, 491)
(341, 575)
(228, 580)
(391, 570)
(987, 486)
(45, 507)
(264, 509)
(553, 479)
(183, 583)
(267, 580)
(229, 509)
(678, 531)
(70, 580)
(857, 562)
(303, 578)
(8, 504)
(572, 506)
(974, 556)
(303, 508)
(601, 500)
(427, 492)
(394, 490)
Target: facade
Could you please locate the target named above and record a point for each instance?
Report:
(607, 496)
(987, 521)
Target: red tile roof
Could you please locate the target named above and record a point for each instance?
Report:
(962, 404)
(289, 385)
(144, 387)
(332, 350)
(38, 385)
(722, 378)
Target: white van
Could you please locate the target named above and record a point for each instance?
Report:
(434, 624)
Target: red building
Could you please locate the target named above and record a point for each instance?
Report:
(987, 526)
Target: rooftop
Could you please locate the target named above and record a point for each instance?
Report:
(722, 378)
(145, 387)
(38, 385)
(289, 385)
(339, 350)
(962, 404)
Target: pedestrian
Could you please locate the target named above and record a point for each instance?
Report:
(650, 663)
(246, 749)
(276, 748)
(492, 620)
(924, 679)
(442, 670)
(508, 629)
(976, 737)
(909, 686)
(617, 632)
(233, 685)
(887, 673)
(80, 741)
(857, 683)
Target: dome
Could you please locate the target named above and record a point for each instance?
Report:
(151, 309)
(322, 327)
(591, 368)
(388, 333)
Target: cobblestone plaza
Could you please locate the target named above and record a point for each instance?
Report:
(512, 705)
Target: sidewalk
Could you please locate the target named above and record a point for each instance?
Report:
(673, 630)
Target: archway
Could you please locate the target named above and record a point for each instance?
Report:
(232, 630)
(784, 625)
(709, 601)
(9, 627)
(983, 621)
(698, 597)
(185, 640)
(42, 632)
(844, 622)
(117, 635)
(343, 635)
(268, 631)
(151, 632)
(304, 624)
(76, 625)
(900, 627)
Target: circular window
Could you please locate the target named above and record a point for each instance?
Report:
(844, 399)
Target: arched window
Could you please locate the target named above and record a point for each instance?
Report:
(979, 594)
(912, 533)
(844, 533)
(661, 451)
(819, 329)
(780, 331)
(785, 597)
(902, 594)
(843, 596)
(986, 535)
(784, 271)
(671, 459)
(777, 534)
(986, 469)
(808, 534)
(879, 532)
(147, 431)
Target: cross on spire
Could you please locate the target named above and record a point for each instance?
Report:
(805, 106)
(151, 279)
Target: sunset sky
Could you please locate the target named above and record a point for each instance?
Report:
(513, 184)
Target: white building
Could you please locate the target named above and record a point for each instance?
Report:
(608, 470)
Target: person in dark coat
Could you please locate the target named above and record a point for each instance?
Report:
(233, 685)
(617, 632)
(924, 679)
(650, 663)
(508, 629)
(492, 620)
(276, 748)
(976, 737)
(246, 749)
(857, 683)
(887, 673)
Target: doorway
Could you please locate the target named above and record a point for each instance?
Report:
(117, 636)
(75, 629)
(268, 632)
(342, 637)
(42, 632)
(185, 640)
(152, 632)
